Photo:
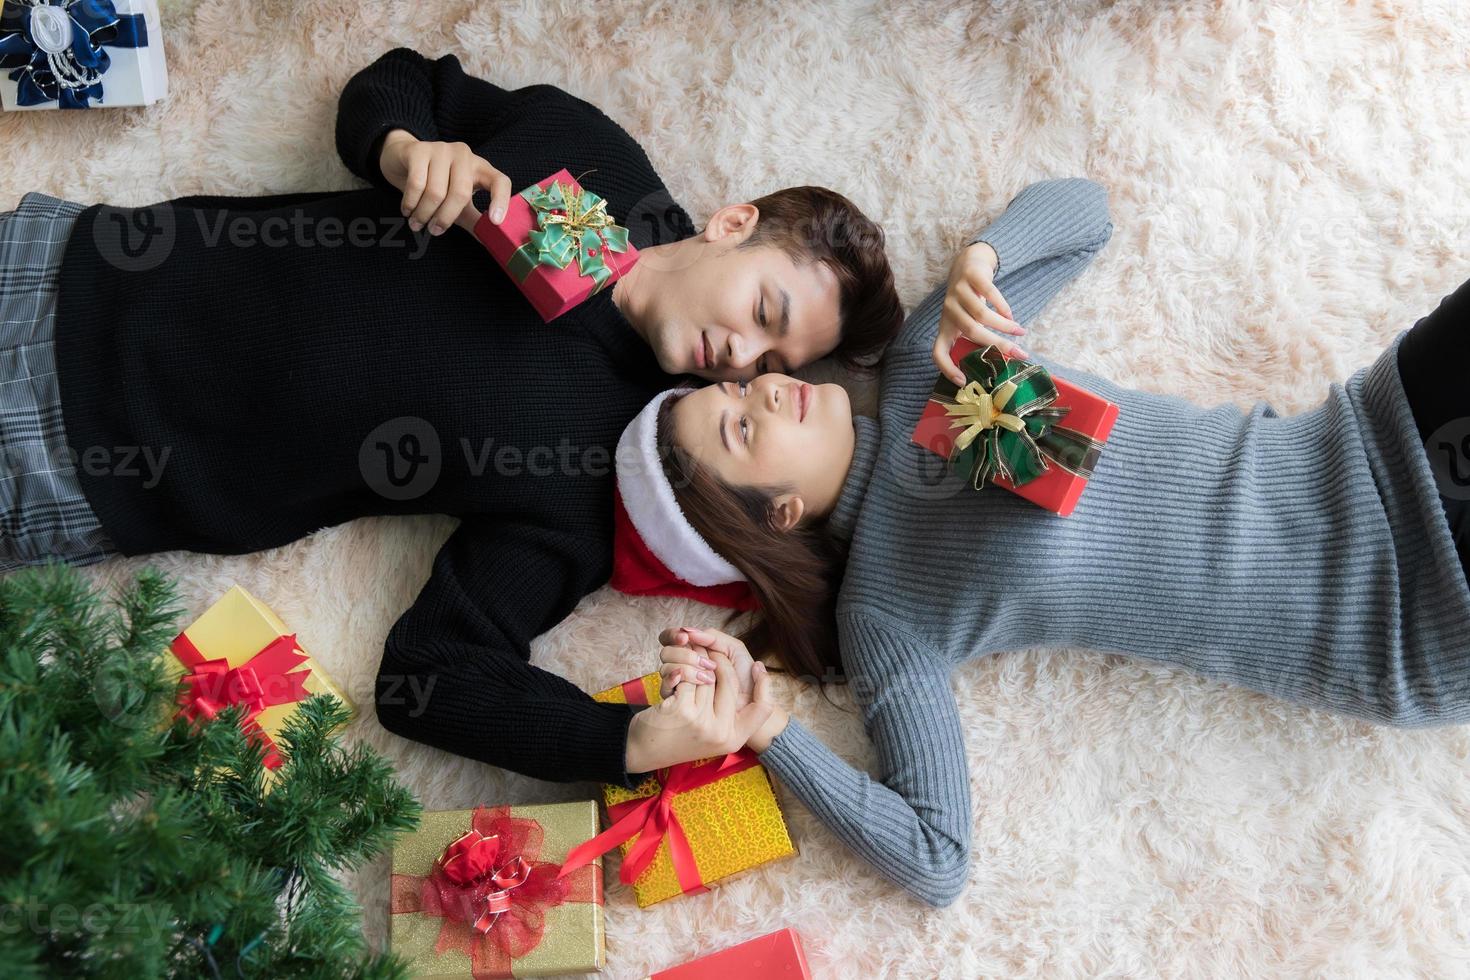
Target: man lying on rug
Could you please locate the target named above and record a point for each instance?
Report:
(230, 374)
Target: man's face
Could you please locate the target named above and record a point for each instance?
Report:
(732, 313)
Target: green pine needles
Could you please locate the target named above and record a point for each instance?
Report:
(133, 848)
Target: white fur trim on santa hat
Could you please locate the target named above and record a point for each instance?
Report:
(649, 501)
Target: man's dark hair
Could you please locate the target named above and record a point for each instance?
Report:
(814, 224)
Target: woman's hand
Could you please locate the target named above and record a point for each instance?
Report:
(685, 656)
(971, 283)
(698, 721)
(438, 180)
(775, 722)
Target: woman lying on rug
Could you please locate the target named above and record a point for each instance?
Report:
(1309, 557)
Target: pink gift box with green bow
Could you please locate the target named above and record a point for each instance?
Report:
(558, 242)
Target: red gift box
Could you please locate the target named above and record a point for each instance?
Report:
(777, 956)
(1057, 490)
(555, 277)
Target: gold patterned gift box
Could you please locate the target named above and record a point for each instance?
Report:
(240, 652)
(479, 893)
(711, 819)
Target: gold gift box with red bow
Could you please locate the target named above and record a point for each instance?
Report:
(240, 652)
(726, 822)
(479, 893)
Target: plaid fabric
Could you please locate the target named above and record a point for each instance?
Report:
(43, 514)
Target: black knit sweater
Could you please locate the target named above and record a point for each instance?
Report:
(288, 363)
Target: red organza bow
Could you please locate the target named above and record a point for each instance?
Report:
(492, 890)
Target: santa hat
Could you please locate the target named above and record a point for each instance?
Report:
(656, 551)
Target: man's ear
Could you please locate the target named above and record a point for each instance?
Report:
(786, 511)
(735, 222)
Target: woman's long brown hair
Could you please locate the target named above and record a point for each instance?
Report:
(795, 574)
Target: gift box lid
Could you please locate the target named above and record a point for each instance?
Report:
(776, 956)
(237, 625)
(137, 68)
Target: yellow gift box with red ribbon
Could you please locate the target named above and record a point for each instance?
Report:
(479, 893)
(689, 827)
(240, 652)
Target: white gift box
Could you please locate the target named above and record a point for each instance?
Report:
(57, 45)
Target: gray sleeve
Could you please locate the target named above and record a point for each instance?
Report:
(1049, 218)
(1045, 237)
(913, 824)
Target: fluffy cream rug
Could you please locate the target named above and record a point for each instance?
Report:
(1290, 185)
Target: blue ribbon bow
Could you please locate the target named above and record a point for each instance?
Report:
(55, 48)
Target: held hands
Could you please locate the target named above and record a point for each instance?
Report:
(971, 283)
(698, 720)
(438, 180)
(685, 655)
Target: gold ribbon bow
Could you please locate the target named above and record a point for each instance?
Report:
(979, 410)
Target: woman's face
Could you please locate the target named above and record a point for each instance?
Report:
(772, 431)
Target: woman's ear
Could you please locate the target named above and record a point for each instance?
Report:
(786, 511)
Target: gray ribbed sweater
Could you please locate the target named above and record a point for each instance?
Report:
(1306, 557)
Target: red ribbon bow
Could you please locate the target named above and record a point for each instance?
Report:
(492, 891)
(265, 680)
(653, 820)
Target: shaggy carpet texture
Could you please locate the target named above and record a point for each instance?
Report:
(1290, 185)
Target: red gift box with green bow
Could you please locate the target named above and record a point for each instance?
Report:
(1016, 425)
(559, 244)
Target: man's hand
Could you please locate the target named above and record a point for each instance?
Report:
(699, 721)
(685, 656)
(438, 180)
(971, 283)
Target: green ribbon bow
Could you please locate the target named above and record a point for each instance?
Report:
(1010, 425)
(570, 222)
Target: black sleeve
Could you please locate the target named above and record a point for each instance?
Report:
(261, 202)
(456, 673)
(436, 100)
(433, 100)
